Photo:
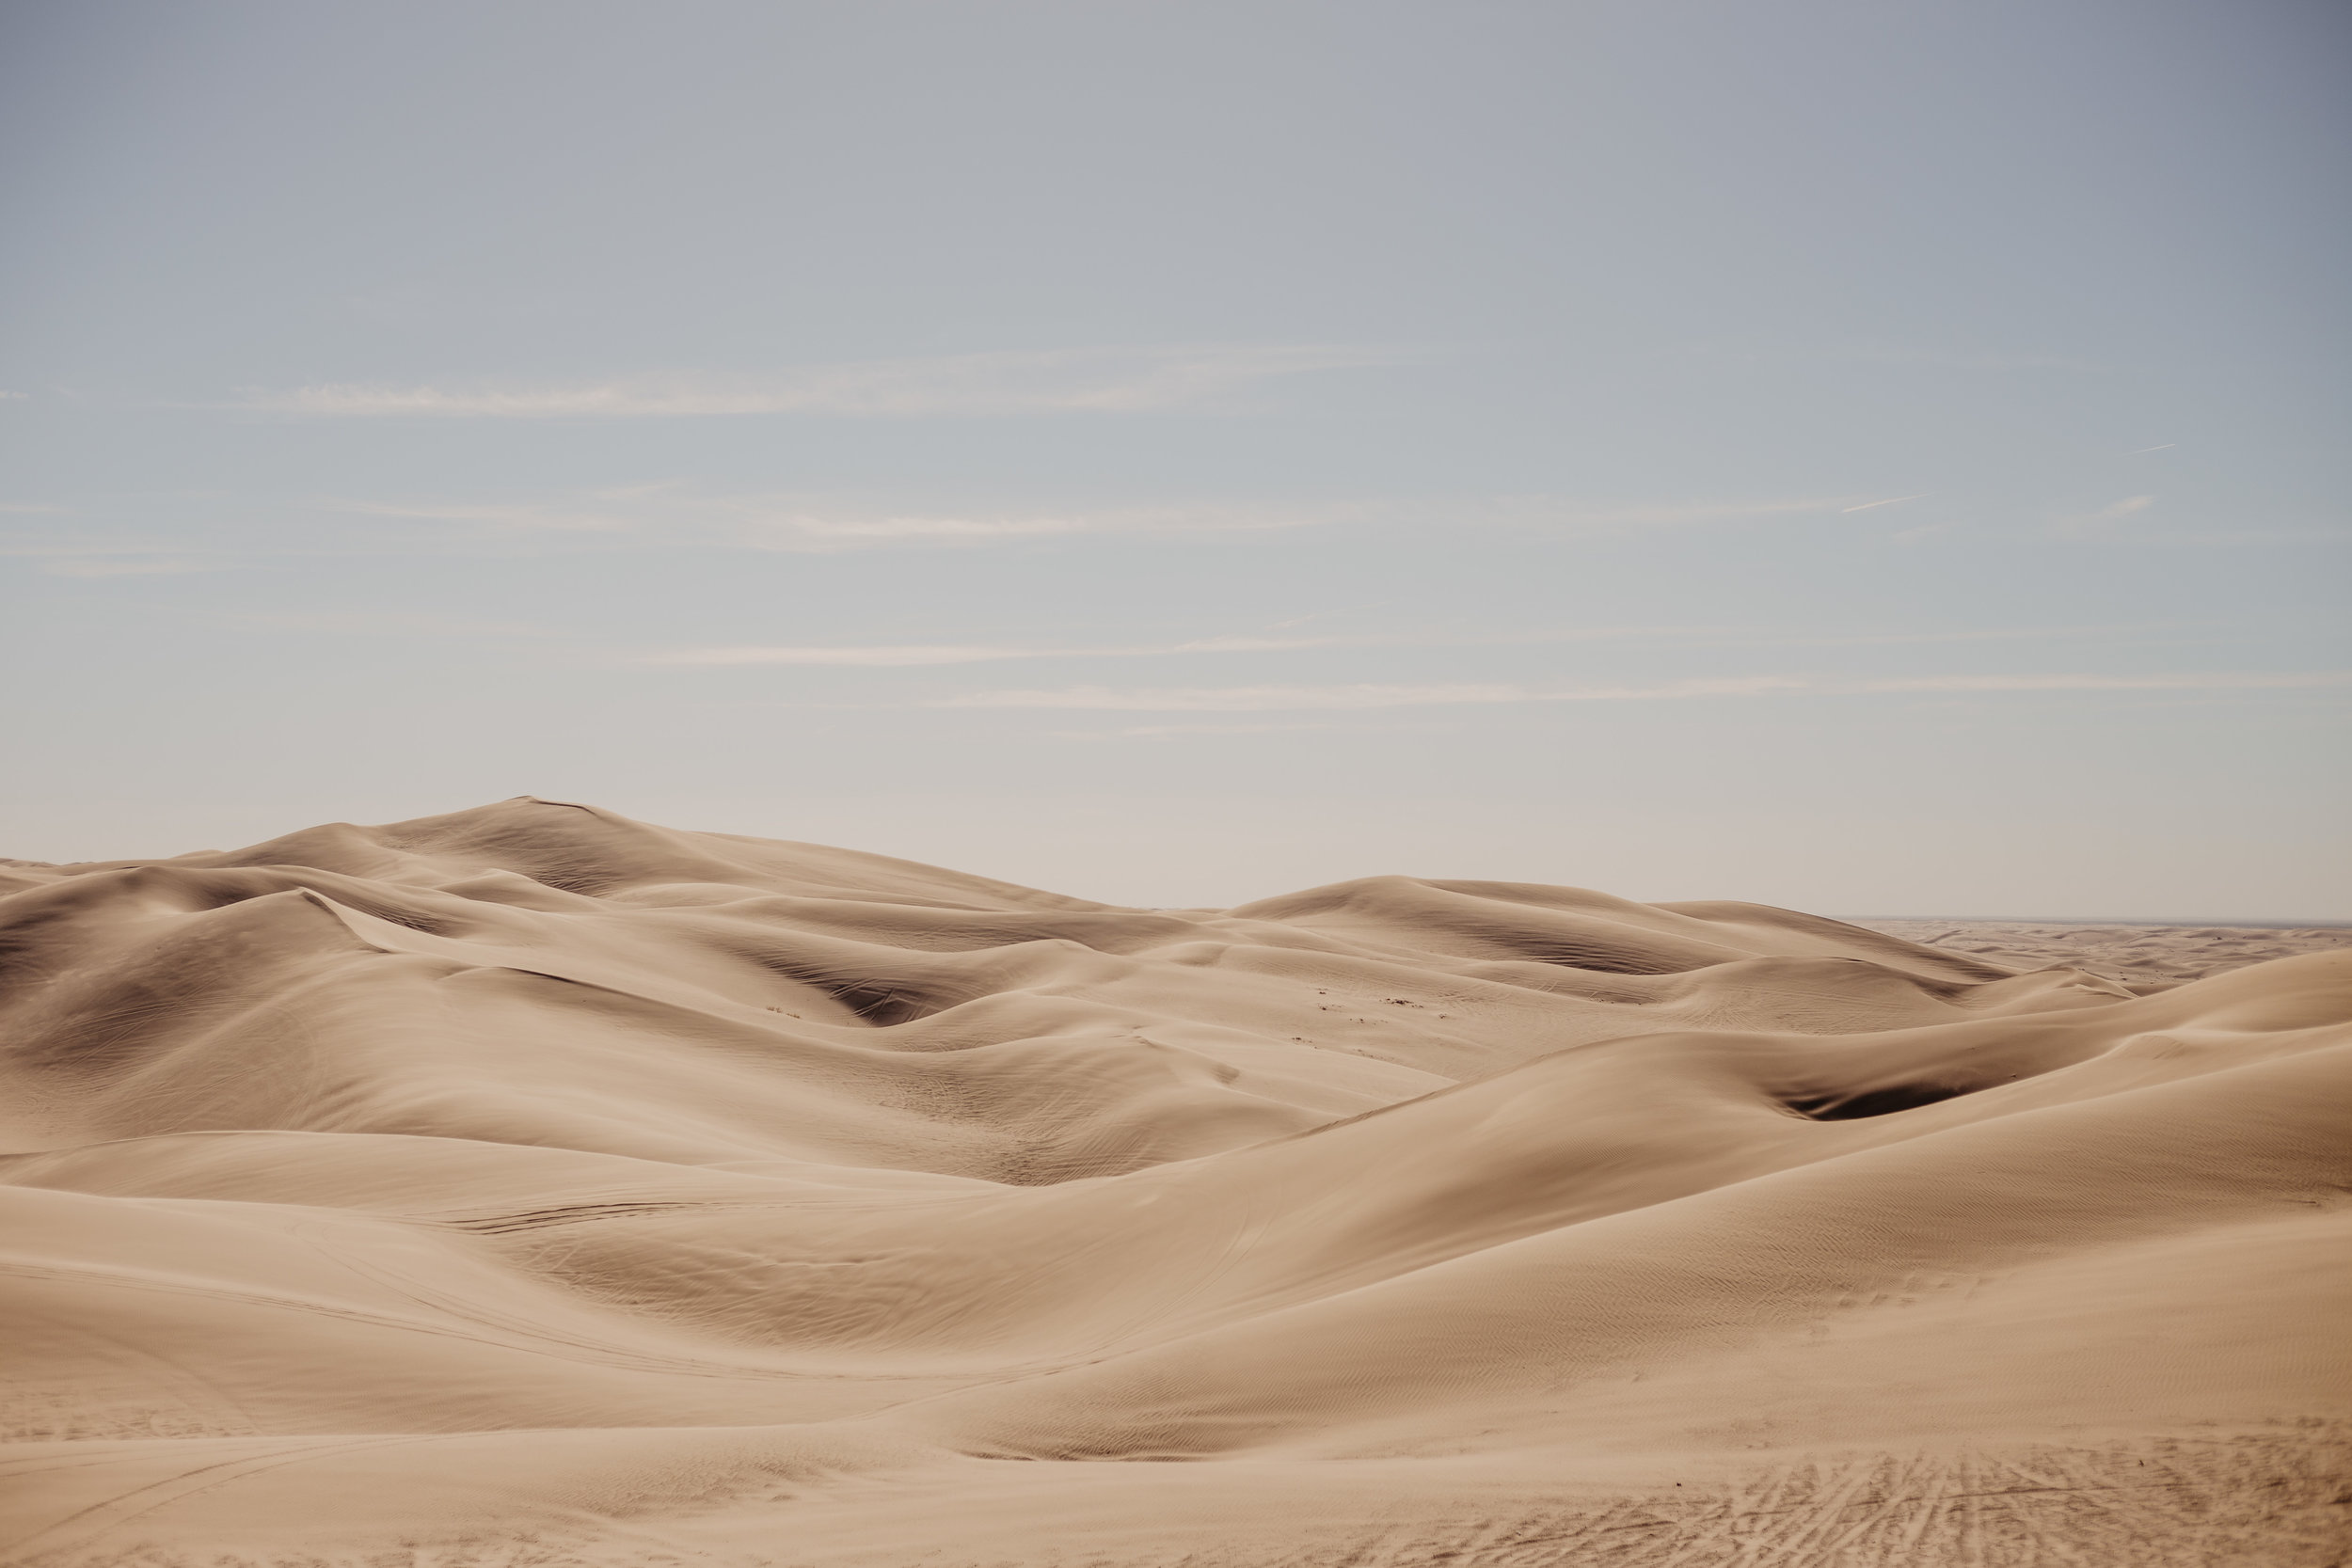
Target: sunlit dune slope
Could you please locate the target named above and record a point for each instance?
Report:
(534, 1175)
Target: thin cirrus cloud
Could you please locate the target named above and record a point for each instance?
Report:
(1558, 514)
(1962, 359)
(678, 514)
(672, 516)
(675, 514)
(1091, 380)
(379, 623)
(920, 655)
(886, 656)
(125, 566)
(1357, 697)
(899, 657)
(2108, 515)
(1362, 695)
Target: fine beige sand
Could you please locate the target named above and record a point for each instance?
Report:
(532, 1185)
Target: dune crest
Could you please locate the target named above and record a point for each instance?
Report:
(530, 1184)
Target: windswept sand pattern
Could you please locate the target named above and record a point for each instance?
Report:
(534, 1185)
(2139, 955)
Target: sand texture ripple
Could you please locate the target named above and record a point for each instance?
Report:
(532, 1185)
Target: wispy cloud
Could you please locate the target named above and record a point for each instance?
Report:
(1971, 634)
(1750, 350)
(2217, 681)
(1327, 614)
(1892, 500)
(2160, 446)
(2105, 520)
(1968, 360)
(125, 567)
(1161, 732)
(807, 524)
(911, 656)
(382, 623)
(1095, 380)
(889, 657)
(886, 656)
(582, 515)
(681, 514)
(1366, 696)
(871, 658)
(677, 515)
(1359, 697)
(1560, 512)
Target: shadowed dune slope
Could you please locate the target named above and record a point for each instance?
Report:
(530, 1184)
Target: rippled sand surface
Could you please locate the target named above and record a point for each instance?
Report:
(2150, 954)
(532, 1185)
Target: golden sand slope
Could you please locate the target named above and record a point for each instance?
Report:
(534, 1185)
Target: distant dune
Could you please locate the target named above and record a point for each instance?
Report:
(2144, 957)
(532, 1185)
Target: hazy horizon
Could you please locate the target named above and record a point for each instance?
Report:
(1884, 463)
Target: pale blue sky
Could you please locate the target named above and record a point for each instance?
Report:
(1875, 458)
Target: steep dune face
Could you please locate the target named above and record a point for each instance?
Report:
(531, 1180)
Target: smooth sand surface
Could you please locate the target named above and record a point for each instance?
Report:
(532, 1185)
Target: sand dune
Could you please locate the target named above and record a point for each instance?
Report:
(532, 1185)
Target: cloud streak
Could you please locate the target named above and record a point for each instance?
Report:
(1555, 511)
(1365, 696)
(125, 566)
(404, 624)
(910, 656)
(868, 658)
(883, 657)
(1092, 380)
(1353, 697)
(676, 516)
(2103, 520)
